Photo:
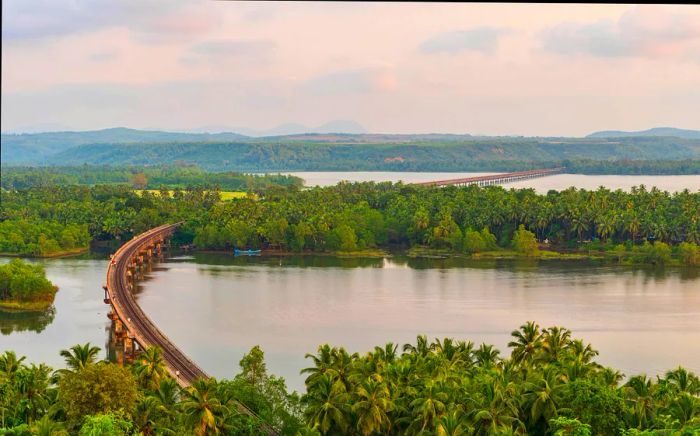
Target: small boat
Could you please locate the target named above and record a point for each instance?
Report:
(237, 252)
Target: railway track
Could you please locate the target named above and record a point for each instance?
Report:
(139, 326)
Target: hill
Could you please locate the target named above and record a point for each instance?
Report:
(36, 148)
(333, 154)
(656, 131)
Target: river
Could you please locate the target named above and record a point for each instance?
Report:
(215, 307)
(540, 185)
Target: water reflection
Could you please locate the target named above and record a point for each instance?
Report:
(216, 306)
(16, 321)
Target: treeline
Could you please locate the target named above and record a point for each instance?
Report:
(175, 176)
(91, 397)
(549, 383)
(463, 154)
(351, 217)
(21, 281)
(42, 237)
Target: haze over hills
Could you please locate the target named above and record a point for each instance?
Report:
(656, 131)
(327, 150)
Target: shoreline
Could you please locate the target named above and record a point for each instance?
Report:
(431, 253)
(59, 254)
(26, 306)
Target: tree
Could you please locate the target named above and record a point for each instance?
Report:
(371, 406)
(97, 389)
(80, 356)
(108, 424)
(203, 411)
(525, 242)
(149, 368)
(139, 180)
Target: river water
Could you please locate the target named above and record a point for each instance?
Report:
(541, 185)
(216, 307)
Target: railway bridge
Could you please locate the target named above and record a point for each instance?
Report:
(133, 329)
(495, 179)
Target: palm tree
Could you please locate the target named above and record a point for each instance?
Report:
(327, 405)
(686, 409)
(497, 412)
(150, 368)
(452, 424)
(555, 341)
(202, 409)
(486, 356)
(422, 348)
(46, 427)
(638, 391)
(683, 381)
(541, 395)
(430, 405)
(371, 406)
(9, 365)
(527, 342)
(80, 356)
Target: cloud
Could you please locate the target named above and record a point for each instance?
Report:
(645, 31)
(233, 48)
(31, 20)
(358, 81)
(103, 56)
(481, 39)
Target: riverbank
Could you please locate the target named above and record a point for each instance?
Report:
(620, 258)
(39, 305)
(55, 255)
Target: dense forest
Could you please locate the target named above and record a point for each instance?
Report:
(171, 176)
(643, 225)
(550, 383)
(24, 286)
(348, 152)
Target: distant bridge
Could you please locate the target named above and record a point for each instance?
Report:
(133, 329)
(495, 179)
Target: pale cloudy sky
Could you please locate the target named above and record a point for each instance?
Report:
(494, 69)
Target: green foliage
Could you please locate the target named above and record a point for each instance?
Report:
(524, 241)
(98, 389)
(549, 384)
(689, 253)
(24, 281)
(351, 217)
(437, 152)
(563, 426)
(109, 424)
(181, 176)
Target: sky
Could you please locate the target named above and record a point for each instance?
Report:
(493, 69)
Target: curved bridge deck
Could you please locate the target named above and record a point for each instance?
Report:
(495, 179)
(130, 320)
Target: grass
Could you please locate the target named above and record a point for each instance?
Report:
(225, 195)
(27, 306)
(62, 253)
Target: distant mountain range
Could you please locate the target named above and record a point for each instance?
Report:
(332, 147)
(656, 131)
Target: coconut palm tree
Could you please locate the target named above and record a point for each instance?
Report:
(150, 368)
(486, 356)
(527, 342)
(371, 406)
(9, 365)
(542, 394)
(430, 405)
(327, 405)
(683, 381)
(80, 356)
(201, 408)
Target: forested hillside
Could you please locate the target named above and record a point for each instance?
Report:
(467, 155)
(347, 152)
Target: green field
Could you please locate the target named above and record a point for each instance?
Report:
(225, 195)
